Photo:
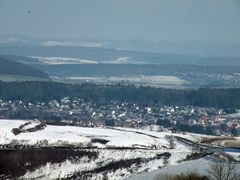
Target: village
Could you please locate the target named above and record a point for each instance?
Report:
(79, 112)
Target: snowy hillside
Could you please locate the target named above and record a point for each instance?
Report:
(79, 137)
(52, 152)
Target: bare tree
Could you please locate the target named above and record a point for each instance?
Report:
(223, 170)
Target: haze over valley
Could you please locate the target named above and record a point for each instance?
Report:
(130, 89)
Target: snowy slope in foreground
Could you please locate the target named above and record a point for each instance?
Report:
(78, 136)
(122, 153)
(200, 166)
(92, 153)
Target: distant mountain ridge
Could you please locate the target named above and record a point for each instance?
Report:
(111, 55)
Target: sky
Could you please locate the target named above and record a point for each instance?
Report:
(150, 20)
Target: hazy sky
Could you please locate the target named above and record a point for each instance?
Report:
(158, 20)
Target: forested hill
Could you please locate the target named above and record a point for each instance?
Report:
(9, 67)
(46, 91)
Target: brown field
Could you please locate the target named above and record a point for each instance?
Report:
(215, 139)
(223, 141)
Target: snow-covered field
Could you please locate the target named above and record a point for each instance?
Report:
(78, 136)
(199, 166)
(71, 60)
(118, 153)
(125, 151)
(154, 81)
(63, 60)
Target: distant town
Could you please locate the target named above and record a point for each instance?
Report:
(79, 112)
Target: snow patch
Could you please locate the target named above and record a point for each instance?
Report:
(63, 60)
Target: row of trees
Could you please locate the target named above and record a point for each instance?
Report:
(45, 91)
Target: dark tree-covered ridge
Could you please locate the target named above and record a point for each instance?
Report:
(46, 91)
(9, 67)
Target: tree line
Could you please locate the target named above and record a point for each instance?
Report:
(46, 91)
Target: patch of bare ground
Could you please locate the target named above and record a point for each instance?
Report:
(215, 139)
(231, 143)
(98, 140)
(37, 127)
(223, 141)
(197, 155)
(17, 162)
